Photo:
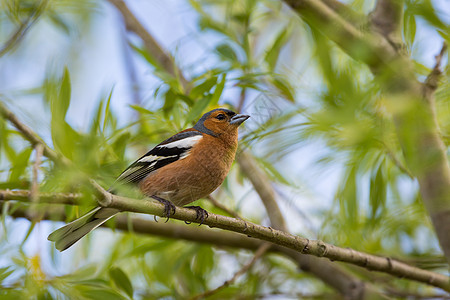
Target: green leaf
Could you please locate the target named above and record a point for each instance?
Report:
(144, 53)
(227, 52)
(218, 90)
(120, 144)
(273, 171)
(106, 114)
(81, 274)
(5, 272)
(197, 109)
(159, 245)
(273, 53)
(61, 104)
(203, 88)
(348, 197)
(20, 164)
(284, 87)
(169, 103)
(30, 230)
(5, 210)
(409, 28)
(95, 126)
(63, 136)
(377, 192)
(100, 293)
(3, 134)
(58, 21)
(121, 280)
(141, 110)
(160, 72)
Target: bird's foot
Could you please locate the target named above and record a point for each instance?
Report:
(169, 207)
(202, 214)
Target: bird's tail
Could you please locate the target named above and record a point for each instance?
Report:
(68, 235)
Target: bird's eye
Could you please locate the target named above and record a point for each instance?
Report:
(220, 117)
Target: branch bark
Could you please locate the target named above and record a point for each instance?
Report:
(387, 18)
(298, 244)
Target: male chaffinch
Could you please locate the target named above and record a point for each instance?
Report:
(185, 167)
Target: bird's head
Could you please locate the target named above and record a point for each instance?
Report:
(220, 121)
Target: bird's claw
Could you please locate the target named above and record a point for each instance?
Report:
(202, 214)
(169, 207)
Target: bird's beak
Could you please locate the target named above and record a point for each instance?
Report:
(238, 119)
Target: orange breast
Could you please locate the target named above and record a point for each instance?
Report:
(195, 176)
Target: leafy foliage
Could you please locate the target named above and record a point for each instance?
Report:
(301, 91)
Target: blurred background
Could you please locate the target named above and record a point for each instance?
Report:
(320, 134)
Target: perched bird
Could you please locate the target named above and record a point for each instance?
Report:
(185, 167)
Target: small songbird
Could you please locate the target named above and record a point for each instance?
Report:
(186, 167)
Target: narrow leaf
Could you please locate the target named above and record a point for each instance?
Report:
(273, 53)
(121, 280)
(218, 90)
(198, 109)
(227, 52)
(284, 88)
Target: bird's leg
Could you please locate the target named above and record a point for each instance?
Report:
(169, 207)
(202, 214)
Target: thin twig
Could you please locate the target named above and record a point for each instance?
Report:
(34, 191)
(414, 296)
(396, 161)
(20, 32)
(31, 136)
(223, 207)
(432, 81)
(259, 253)
(25, 196)
(164, 59)
(242, 98)
(39, 149)
(263, 187)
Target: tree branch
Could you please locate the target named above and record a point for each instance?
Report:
(262, 185)
(223, 207)
(346, 12)
(164, 59)
(369, 48)
(31, 136)
(25, 26)
(280, 238)
(432, 81)
(387, 18)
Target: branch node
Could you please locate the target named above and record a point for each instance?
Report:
(389, 261)
(322, 249)
(306, 248)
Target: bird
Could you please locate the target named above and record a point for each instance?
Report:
(182, 169)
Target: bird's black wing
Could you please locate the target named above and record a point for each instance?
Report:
(174, 148)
